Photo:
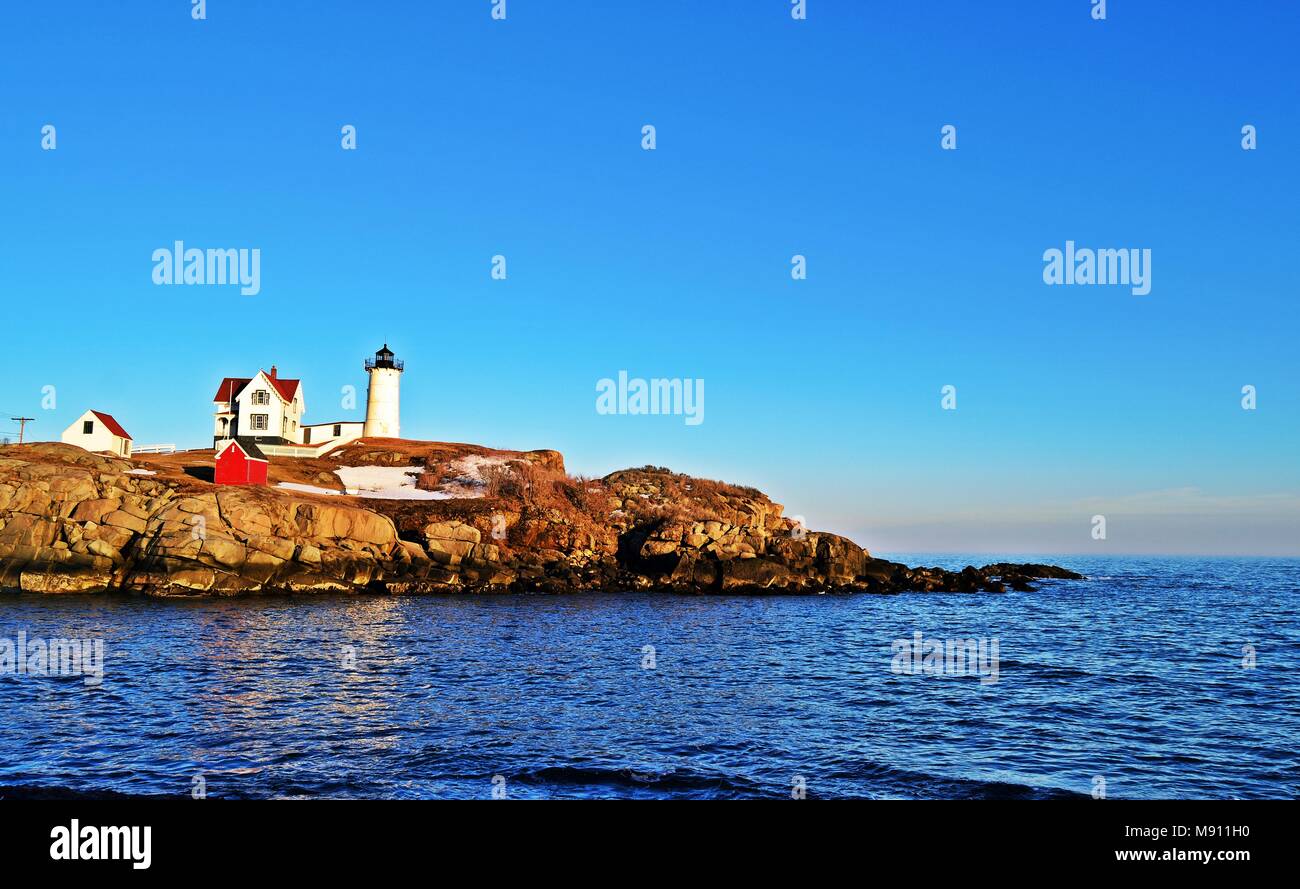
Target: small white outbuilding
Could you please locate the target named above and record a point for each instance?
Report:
(98, 432)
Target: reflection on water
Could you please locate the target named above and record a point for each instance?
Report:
(1135, 676)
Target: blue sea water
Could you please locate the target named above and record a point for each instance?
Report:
(1137, 676)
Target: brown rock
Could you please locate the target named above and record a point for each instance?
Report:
(24, 529)
(224, 551)
(95, 510)
(120, 519)
(64, 581)
(452, 530)
(114, 536)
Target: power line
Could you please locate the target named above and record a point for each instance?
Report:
(22, 425)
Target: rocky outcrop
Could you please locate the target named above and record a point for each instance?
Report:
(73, 522)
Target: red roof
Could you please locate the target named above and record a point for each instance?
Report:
(231, 387)
(250, 451)
(113, 426)
(288, 388)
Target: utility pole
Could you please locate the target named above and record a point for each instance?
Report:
(22, 425)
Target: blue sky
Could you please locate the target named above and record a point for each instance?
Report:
(775, 137)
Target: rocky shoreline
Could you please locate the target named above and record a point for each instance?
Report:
(76, 522)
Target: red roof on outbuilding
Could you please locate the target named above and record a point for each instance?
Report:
(249, 449)
(112, 425)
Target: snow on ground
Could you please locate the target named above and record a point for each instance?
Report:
(385, 482)
(141, 472)
(465, 478)
(306, 489)
(398, 482)
(372, 489)
(469, 470)
(375, 482)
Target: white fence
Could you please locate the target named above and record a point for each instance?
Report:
(154, 449)
(314, 450)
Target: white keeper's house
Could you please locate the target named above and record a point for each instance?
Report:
(266, 410)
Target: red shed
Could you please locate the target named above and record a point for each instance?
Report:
(240, 463)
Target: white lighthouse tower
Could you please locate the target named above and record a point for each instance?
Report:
(383, 405)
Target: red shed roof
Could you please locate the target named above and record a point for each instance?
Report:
(248, 448)
(113, 426)
(231, 387)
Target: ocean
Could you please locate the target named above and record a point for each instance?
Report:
(1154, 678)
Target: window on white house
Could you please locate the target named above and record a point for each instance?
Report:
(260, 421)
(261, 396)
(338, 430)
(88, 427)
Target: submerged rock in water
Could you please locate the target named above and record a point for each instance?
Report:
(75, 522)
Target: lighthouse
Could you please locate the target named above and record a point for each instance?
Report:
(383, 415)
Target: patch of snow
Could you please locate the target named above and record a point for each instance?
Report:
(466, 478)
(141, 472)
(471, 468)
(398, 482)
(306, 489)
(386, 483)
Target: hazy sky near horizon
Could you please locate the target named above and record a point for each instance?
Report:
(775, 137)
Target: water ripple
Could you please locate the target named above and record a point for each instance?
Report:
(1135, 676)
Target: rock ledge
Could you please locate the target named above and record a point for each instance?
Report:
(75, 522)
